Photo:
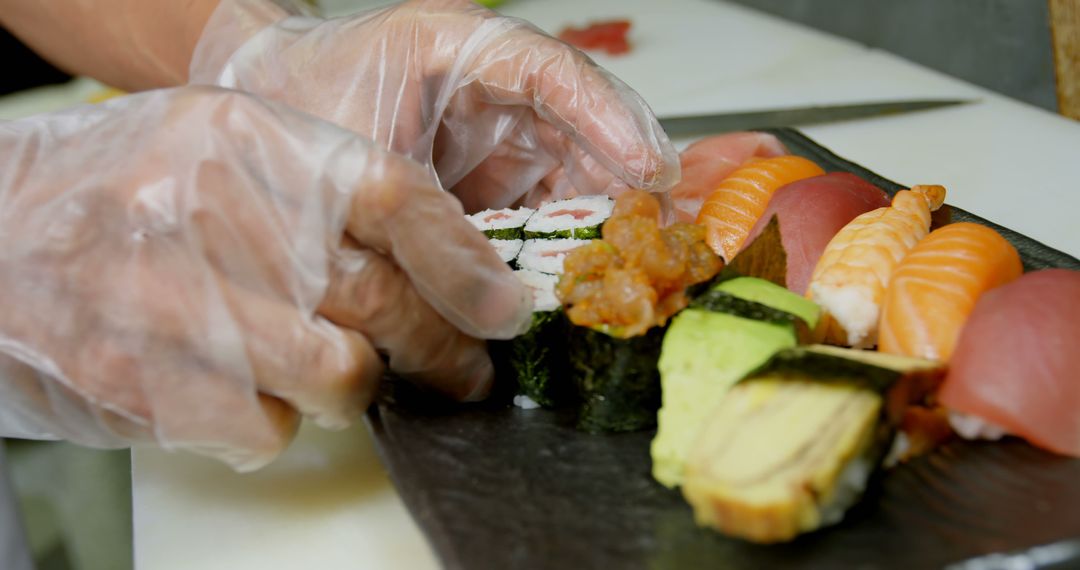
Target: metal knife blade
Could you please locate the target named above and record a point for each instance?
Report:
(795, 116)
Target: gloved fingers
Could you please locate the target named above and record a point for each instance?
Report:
(328, 373)
(580, 175)
(370, 294)
(232, 23)
(546, 179)
(596, 110)
(261, 344)
(513, 170)
(192, 394)
(150, 350)
(250, 434)
(249, 439)
(200, 396)
(398, 211)
(566, 180)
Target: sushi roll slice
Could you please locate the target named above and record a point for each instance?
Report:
(536, 360)
(508, 249)
(547, 255)
(576, 218)
(793, 445)
(620, 307)
(508, 223)
(542, 287)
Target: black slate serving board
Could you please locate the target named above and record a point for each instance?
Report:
(493, 486)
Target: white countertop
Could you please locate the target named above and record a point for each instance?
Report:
(327, 503)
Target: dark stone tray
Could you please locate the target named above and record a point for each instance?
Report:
(493, 486)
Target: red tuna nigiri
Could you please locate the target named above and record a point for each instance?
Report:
(710, 160)
(810, 212)
(1017, 364)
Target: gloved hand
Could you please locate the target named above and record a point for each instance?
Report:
(195, 267)
(502, 113)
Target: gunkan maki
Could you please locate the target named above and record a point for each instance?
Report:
(619, 292)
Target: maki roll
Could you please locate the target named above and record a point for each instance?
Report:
(547, 255)
(536, 360)
(508, 249)
(508, 223)
(576, 218)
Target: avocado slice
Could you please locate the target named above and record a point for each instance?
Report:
(772, 295)
(703, 355)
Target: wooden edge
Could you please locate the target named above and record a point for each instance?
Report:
(1065, 37)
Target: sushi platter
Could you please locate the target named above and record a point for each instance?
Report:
(497, 485)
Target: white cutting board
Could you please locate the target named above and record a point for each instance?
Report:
(327, 505)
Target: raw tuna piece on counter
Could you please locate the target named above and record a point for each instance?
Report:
(608, 36)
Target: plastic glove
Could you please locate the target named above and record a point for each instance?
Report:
(501, 112)
(194, 267)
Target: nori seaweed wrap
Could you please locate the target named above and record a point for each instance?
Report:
(535, 363)
(617, 379)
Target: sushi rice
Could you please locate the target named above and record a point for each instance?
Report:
(507, 223)
(547, 255)
(524, 402)
(545, 303)
(850, 486)
(508, 249)
(542, 287)
(969, 426)
(853, 307)
(539, 263)
(576, 218)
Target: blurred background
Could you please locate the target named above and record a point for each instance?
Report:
(75, 503)
(1003, 45)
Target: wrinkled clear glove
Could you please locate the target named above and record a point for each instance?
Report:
(502, 113)
(197, 268)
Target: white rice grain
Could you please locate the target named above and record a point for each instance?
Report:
(524, 402)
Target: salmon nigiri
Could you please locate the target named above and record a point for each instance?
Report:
(710, 160)
(850, 277)
(730, 211)
(934, 288)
